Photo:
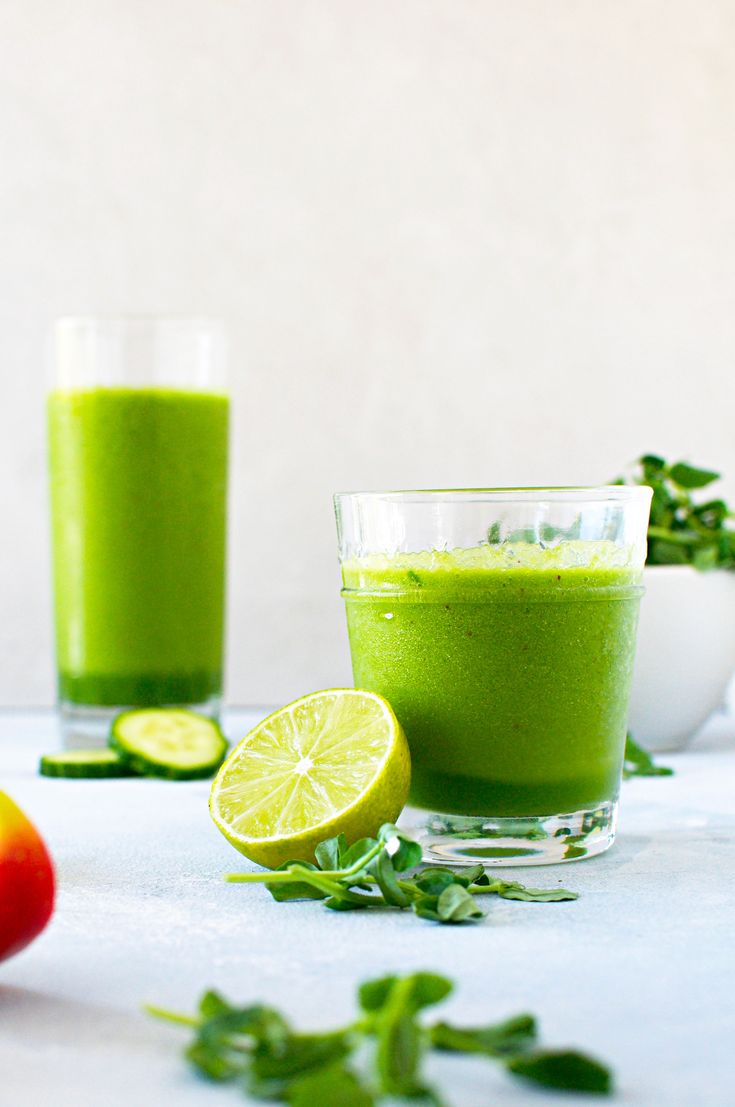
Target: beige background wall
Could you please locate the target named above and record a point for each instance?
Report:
(455, 243)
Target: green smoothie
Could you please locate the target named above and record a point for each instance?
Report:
(509, 669)
(138, 491)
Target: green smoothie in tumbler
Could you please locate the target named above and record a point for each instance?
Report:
(509, 670)
(138, 491)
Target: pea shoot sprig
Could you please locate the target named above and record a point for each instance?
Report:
(374, 872)
(684, 529)
(379, 1054)
(638, 762)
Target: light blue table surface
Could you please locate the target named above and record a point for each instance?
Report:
(640, 970)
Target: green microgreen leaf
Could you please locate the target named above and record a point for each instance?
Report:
(457, 905)
(353, 902)
(405, 853)
(374, 872)
(513, 890)
(682, 531)
(335, 1086)
(400, 1038)
(385, 874)
(357, 850)
(638, 762)
(652, 464)
(689, 476)
(422, 989)
(212, 1004)
(501, 1039)
(274, 1067)
(330, 852)
(225, 1041)
(256, 1048)
(398, 1052)
(472, 874)
(706, 557)
(564, 1069)
(373, 994)
(296, 889)
(433, 881)
(426, 908)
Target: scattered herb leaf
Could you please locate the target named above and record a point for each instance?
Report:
(375, 872)
(563, 1069)
(682, 531)
(499, 1040)
(256, 1048)
(638, 762)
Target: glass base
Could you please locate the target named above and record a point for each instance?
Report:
(526, 840)
(85, 726)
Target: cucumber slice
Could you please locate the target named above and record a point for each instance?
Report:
(168, 742)
(84, 763)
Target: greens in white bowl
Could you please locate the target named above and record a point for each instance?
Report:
(686, 635)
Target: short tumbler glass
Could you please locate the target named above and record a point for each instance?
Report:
(500, 624)
(138, 440)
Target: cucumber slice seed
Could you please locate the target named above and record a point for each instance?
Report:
(168, 742)
(79, 764)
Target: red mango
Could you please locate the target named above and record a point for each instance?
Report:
(27, 881)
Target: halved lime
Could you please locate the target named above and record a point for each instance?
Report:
(332, 762)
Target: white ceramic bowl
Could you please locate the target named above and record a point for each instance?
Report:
(686, 653)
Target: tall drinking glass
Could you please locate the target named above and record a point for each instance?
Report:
(500, 624)
(138, 441)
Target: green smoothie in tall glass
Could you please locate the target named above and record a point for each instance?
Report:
(509, 669)
(138, 490)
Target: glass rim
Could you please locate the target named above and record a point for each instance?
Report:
(556, 493)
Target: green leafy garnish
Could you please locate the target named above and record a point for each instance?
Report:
(638, 762)
(563, 1069)
(683, 530)
(374, 872)
(378, 1055)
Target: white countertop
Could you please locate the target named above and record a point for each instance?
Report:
(640, 971)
